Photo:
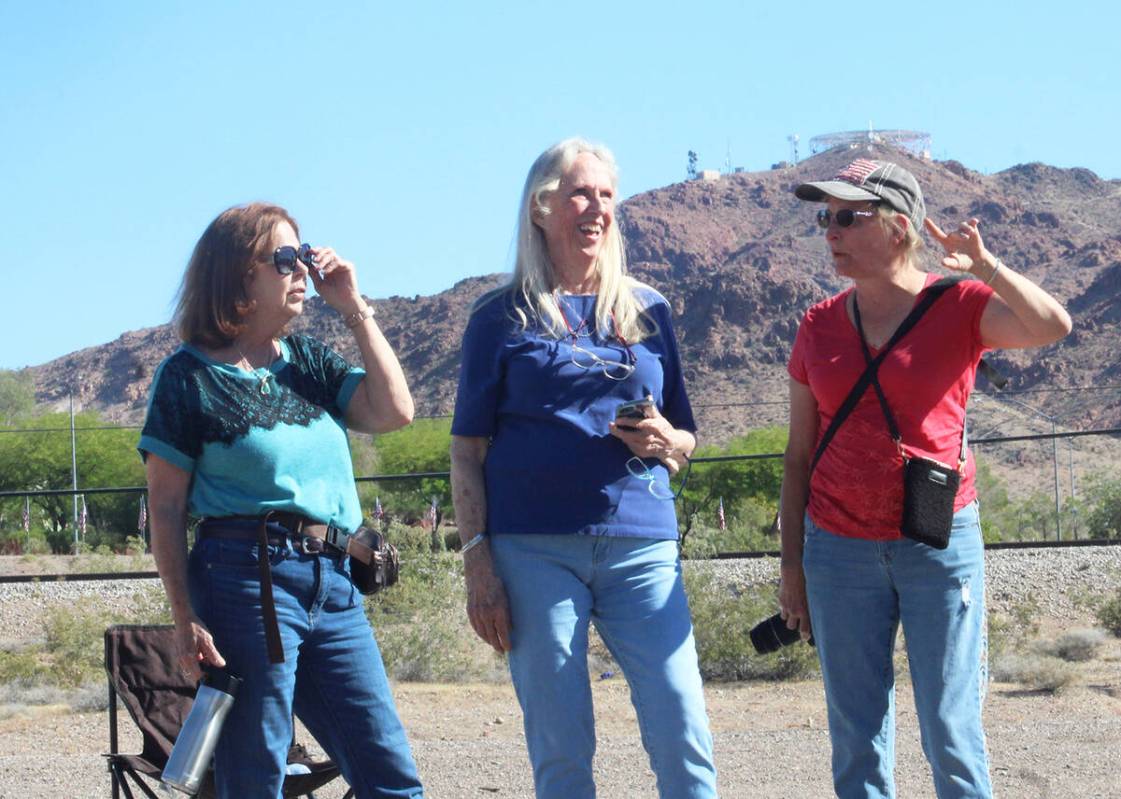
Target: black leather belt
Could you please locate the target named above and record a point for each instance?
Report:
(307, 536)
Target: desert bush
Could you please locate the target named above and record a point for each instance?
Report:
(74, 644)
(103, 560)
(409, 538)
(1074, 645)
(422, 626)
(722, 618)
(1034, 672)
(1109, 613)
(1011, 632)
(21, 666)
(749, 530)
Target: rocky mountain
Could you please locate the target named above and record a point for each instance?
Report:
(740, 259)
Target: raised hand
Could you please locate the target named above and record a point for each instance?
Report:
(965, 250)
(336, 281)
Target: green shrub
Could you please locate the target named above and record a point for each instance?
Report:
(1109, 613)
(722, 618)
(103, 560)
(749, 530)
(75, 644)
(75, 637)
(23, 666)
(421, 623)
(1011, 632)
(410, 538)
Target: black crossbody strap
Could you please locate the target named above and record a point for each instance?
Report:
(889, 417)
(926, 299)
(892, 427)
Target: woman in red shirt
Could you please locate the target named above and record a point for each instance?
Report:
(847, 570)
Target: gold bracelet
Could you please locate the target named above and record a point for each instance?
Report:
(358, 317)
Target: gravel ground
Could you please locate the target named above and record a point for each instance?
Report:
(771, 740)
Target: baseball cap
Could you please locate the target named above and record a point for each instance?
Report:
(875, 181)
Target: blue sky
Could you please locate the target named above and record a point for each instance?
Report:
(400, 133)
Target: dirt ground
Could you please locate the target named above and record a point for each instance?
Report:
(771, 741)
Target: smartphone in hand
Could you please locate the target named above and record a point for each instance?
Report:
(634, 411)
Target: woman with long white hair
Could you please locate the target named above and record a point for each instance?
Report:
(570, 416)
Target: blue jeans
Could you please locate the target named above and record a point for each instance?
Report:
(860, 591)
(631, 589)
(332, 676)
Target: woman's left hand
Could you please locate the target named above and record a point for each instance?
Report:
(965, 250)
(654, 437)
(336, 281)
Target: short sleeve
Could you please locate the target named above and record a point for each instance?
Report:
(171, 424)
(975, 296)
(329, 379)
(481, 371)
(796, 366)
(675, 400)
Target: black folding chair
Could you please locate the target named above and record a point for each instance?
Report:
(144, 674)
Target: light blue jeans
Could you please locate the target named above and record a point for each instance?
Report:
(332, 676)
(631, 589)
(860, 591)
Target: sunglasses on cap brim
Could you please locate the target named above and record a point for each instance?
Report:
(845, 217)
(284, 258)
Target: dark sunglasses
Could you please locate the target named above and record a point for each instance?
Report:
(284, 258)
(844, 218)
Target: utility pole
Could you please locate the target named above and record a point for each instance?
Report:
(1055, 461)
(1073, 494)
(74, 470)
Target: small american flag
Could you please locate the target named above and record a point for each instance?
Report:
(83, 517)
(858, 171)
(432, 513)
(142, 519)
(720, 520)
(379, 512)
(27, 514)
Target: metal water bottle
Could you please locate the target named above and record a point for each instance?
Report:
(194, 748)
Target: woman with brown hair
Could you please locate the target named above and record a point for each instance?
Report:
(246, 428)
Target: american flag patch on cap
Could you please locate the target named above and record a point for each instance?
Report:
(858, 171)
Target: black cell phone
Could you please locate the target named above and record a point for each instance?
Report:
(636, 410)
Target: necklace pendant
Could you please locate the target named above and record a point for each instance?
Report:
(264, 386)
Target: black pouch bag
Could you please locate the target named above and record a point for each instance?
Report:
(374, 562)
(929, 489)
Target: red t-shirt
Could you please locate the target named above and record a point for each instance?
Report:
(857, 488)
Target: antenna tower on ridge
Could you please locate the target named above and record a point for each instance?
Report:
(916, 142)
(793, 139)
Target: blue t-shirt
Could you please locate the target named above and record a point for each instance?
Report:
(249, 452)
(553, 466)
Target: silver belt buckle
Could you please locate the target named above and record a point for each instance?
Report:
(309, 545)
